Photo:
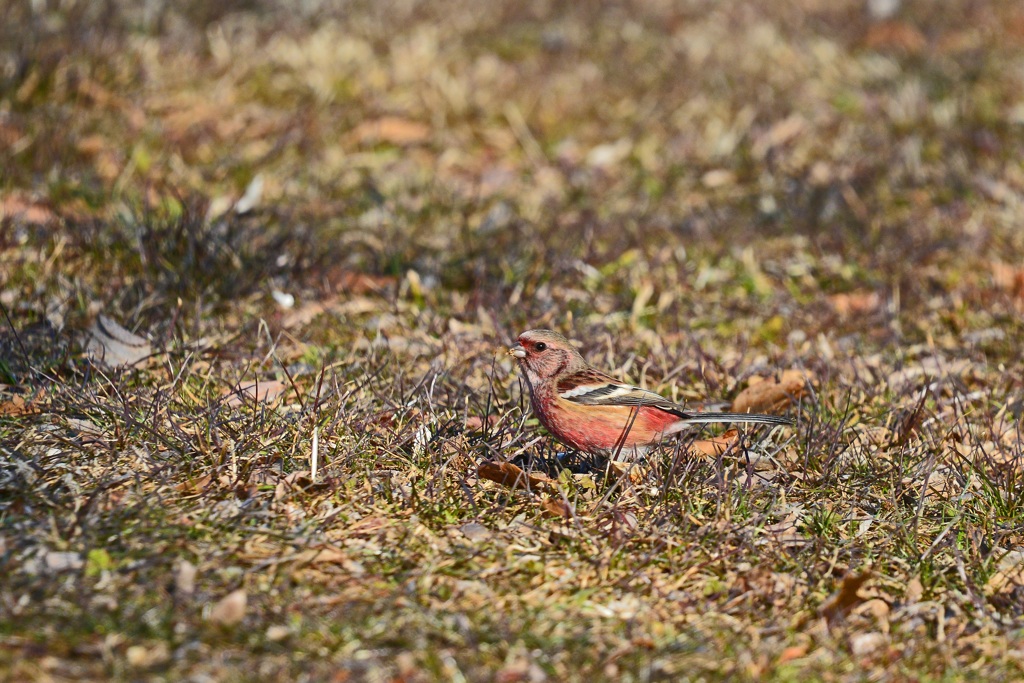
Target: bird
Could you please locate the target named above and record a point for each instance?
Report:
(592, 412)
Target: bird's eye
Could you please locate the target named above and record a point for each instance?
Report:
(540, 346)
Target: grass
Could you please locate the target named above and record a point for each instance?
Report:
(702, 195)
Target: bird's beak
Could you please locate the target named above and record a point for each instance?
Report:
(518, 351)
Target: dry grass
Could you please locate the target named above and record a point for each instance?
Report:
(701, 194)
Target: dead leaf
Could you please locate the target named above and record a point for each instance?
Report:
(63, 561)
(185, 580)
(296, 481)
(846, 598)
(717, 178)
(86, 430)
(113, 346)
(1008, 575)
(717, 445)
(10, 134)
(17, 405)
(26, 212)
(276, 633)
(142, 657)
(862, 644)
(507, 474)
(855, 303)
(931, 368)
(556, 506)
(265, 391)
(779, 134)
(915, 591)
(879, 609)
(602, 156)
(475, 423)
(323, 555)
(354, 282)
(898, 35)
(211, 481)
(13, 406)
(785, 532)
(792, 652)
(475, 532)
(391, 129)
(1008, 278)
(771, 394)
(636, 472)
(230, 610)
(303, 314)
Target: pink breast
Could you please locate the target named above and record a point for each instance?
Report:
(600, 429)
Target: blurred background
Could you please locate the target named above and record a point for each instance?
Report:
(267, 220)
(563, 156)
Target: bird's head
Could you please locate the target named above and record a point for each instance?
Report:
(544, 354)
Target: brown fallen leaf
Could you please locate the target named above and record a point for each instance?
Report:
(17, 405)
(391, 129)
(475, 423)
(932, 368)
(354, 282)
(1008, 278)
(636, 472)
(207, 482)
(772, 394)
(507, 474)
(716, 445)
(265, 391)
(86, 430)
(846, 598)
(304, 313)
(1009, 574)
(296, 481)
(779, 134)
(112, 345)
(475, 532)
(790, 653)
(26, 212)
(10, 134)
(230, 609)
(143, 657)
(915, 591)
(717, 178)
(897, 35)
(322, 555)
(555, 506)
(785, 532)
(855, 303)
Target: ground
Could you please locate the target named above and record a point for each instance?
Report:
(235, 234)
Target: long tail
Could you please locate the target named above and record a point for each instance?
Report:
(704, 418)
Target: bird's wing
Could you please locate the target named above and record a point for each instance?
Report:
(593, 388)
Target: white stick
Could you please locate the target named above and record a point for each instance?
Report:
(316, 453)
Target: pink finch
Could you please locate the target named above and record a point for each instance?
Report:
(592, 412)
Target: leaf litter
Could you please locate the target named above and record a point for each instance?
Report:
(416, 204)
